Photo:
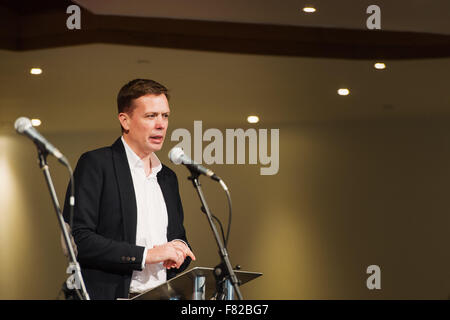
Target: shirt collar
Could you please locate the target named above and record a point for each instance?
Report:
(135, 161)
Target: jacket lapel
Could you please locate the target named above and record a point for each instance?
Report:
(126, 191)
(166, 189)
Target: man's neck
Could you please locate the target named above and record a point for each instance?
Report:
(139, 153)
(149, 159)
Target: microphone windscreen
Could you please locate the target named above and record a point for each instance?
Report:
(176, 154)
(22, 124)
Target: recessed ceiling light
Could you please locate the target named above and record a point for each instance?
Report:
(309, 9)
(252, 119)
(35, 122)
(380, 66)
(343, 92)
(36, 71)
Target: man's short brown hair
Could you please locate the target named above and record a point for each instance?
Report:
(136, 89)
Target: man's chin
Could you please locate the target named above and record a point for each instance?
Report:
(155, 147)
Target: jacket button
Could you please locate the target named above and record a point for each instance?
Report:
(133, 259)
(128, 258)
(122, 258)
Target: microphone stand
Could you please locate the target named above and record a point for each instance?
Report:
(222, 250)
(76, 279)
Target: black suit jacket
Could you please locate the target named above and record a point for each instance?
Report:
(105, 217)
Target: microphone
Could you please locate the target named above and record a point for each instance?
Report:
(23, 126)
(177, 156)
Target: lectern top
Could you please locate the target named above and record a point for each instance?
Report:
(182, 286)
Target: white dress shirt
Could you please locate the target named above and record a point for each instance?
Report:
(151, 220)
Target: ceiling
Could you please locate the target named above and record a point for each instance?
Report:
(79, 83)
(399, 15)
(335, 31)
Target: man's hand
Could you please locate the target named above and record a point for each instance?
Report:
(172, 254)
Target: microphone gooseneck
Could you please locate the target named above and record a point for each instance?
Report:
(23, 126)
(177, 156)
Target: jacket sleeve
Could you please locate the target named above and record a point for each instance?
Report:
(94, 250)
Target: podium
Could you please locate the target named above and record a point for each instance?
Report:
(198, 283)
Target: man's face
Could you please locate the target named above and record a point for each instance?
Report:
(147, 123)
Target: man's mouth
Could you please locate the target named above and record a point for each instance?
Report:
(156, 139)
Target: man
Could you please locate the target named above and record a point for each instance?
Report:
(128, 217)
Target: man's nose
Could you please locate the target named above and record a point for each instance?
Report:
(160, 122)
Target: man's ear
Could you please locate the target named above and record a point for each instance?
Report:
(123, 119)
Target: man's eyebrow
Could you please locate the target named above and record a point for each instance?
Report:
(156, 112)
(152, 112)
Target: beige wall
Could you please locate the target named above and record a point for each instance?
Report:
(346, 196)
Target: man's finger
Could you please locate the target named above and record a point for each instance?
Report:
(185, 248)
(190, 254)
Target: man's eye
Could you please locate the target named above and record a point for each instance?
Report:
(166, 116)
